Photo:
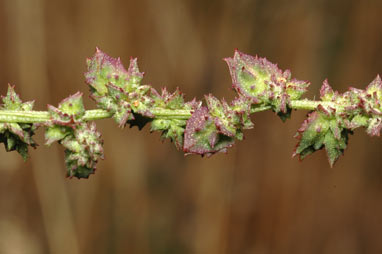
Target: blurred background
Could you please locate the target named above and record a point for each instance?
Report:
(146, 197)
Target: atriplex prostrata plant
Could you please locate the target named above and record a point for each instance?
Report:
(194, 128)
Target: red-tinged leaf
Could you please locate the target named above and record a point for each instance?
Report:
(83, 147)
(327, 93)
(104, 70)
(372, 97)
(250, 73)
(375, 86)
(264, 83)
(224, 117)
(202, 137)
(171, 128)
(69, 111)
(13, 102)
(374, 126)
(83, 151)
(168, 100)
(242, 107)
(118, 90)
(134, 75)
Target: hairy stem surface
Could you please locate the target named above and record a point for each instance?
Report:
(14, 116)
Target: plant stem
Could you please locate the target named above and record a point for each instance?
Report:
(12, 116)
(312, 105)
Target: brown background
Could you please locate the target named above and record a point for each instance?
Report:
(146, 197)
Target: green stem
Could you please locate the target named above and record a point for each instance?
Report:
(12, 116)
(312, 105)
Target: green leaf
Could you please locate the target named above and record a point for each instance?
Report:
(168, 100)
(118, 90)
(83, 147)
(222, 115)
(264, 83)
(104, 70)
(83, 151)
(72, 105)
(202, 137)
(17, 136)
(361, 108)
(82, 142)
(242, 108)
(56, 133)
(171, 128)
(69, 112)
(12, 100)
(321, 131)
(327, 93)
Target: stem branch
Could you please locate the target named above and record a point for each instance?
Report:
(12, 116)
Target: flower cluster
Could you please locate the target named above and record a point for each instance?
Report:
(209, 129)
(16, 136)
(336, 116)
(82, 142)
(119, 91)
(194, 127)
(264, 83)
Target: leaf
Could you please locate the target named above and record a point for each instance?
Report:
(104, 70)
(264, 83)
(320, 131)
(56, 133)
(168, 100)
(16, 141)
(361, 108)
(371, 102)
(17, 136)
(202, 137)
(229, 120)
(118, 90)
(72, 105)
(374, 126)
(69, 112)
(83, 147)
(242, 108)
(83, 151)
(327, 93)
(12, 100)
(222, 115)
(82, 142)
(171, 128)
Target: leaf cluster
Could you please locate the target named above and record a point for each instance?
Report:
(193, 126)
